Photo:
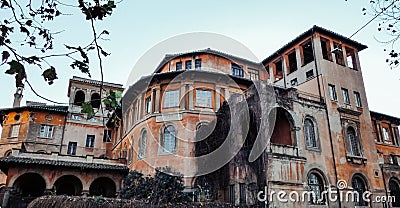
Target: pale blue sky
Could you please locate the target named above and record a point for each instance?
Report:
(263, 26)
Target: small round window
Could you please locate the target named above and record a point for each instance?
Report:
(17, 117)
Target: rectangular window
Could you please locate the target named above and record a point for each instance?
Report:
(197, 64)
(178, 66)
(71, 148)
(204, 98)
(107, 136)
(278, 70)
(386, 137)
(90, 141)
(292, 62)
(307, 52)
(338, 53)
(46, 131)
(351, 58)
(346, 98)
(232, 193)
(242, 191)
(309, 74)
(148, 105)
(253, 74)
(357, 97)
(188, 65)
(294, 82)
(332, 92)
(326, 49)
(237, 70)
(14, 131)
(171, 98)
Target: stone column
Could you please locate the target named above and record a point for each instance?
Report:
(85, 193)
(157, 99)
(191, 96)
(182, 97)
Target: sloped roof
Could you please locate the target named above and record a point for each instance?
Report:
(323, 31)
(7, 162)
(52, 108)
(381, 116)
(169, 57)
(96, 82)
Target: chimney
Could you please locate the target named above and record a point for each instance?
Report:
(18, 97)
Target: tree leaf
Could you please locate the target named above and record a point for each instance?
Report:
(5, 55)
(50, 75)
(24, 30)
(15, 67)
(87, 108)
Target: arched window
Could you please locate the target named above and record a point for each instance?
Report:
(95, 100)
(316, 186)
(309, 131)
(360, 188)
(79, 98)
(142, 145)
(169, 140)
(353, 141)
(394, 192)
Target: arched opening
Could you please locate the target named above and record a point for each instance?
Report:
(68, 185)
(316, 186)
(394, 192)
(102, 187)
(95, 100)
(8, 153)
(282, 133)
(359, 186)
(204, 189)
(169, 140)
(79, 98)
(30, 185)
(142, 145)
(309, 131)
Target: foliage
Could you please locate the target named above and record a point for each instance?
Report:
(93, 202)
(388, 14)
(26, 37)
(160, 189)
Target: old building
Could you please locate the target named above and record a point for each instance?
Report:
(298, 122)
(57, 149)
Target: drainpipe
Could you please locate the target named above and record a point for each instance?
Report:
(327, 115)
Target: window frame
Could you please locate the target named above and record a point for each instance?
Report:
(310, 74)
(147, 105)
(174, 99)
(90, 140)
(332, 92)
(178, 66)
(188, 65)
(142, 145)
(237, 70)
(346, 96)
(14, 130)
(197, 64)
(326, 51)
(354, 142)
(317, 186)
(313, 138)
(172, 133)
(359, 190)
(254, 74)
(73, 145)
(357, 98)
(197, 99)
(47, 129)
(292, 61)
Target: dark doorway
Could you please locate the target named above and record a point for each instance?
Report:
(102, 187)
(68, 185)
